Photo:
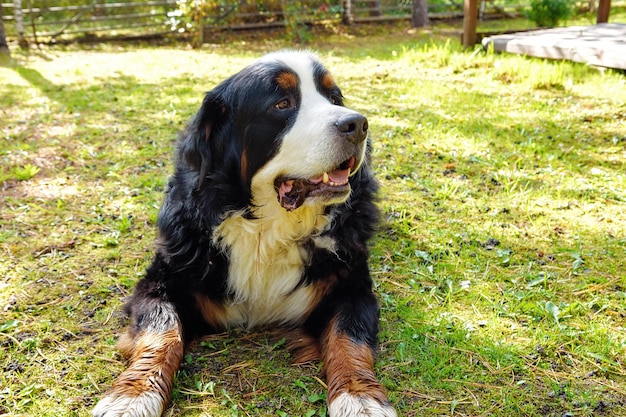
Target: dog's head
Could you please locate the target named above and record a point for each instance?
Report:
(281, 128)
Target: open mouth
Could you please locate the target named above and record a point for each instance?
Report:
(293, 192)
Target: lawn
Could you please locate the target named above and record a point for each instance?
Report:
(500, 264)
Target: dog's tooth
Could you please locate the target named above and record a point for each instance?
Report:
(325, 180)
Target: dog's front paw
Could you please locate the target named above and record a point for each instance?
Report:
(349, 405)
(147, 404)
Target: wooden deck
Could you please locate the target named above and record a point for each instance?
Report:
(602, 45)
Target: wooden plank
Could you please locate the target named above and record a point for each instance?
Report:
(99, 6)
(602, 45)
(92, 19)
(101, 29)
(470, 10)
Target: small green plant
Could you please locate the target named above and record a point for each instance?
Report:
(26, 172)
(8, 325)
(548, 13)
(124, 224)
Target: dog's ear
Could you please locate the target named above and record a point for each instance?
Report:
(200, 145)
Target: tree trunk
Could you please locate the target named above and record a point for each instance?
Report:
(419, 15)
(4, 47)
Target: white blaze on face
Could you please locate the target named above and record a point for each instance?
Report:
(312, 146)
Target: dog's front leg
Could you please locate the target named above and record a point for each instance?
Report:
(154, 346)
(348, 353)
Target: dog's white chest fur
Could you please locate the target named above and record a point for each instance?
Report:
(266, 263)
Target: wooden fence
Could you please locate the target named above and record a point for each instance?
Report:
(44, 19)
(49, 20)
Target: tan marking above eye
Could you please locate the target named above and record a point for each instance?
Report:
(328, 81)
(287, 80)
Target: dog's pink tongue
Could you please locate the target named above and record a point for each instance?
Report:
(292, 193)
(339, 176)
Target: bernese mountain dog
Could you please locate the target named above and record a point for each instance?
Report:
(266, 221)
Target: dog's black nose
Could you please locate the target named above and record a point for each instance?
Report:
(353, 127)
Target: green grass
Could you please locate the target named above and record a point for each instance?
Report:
(500, 265)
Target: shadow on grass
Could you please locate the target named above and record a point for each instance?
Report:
(119, 122)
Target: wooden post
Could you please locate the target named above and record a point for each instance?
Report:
(19, 23)
(603, 11)
(375, 8)
(200, 23)
(470, 8)
(4, 48)
(419, 14)
(347, 17)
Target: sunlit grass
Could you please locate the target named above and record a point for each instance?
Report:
(499, 265)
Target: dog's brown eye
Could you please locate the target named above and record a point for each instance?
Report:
(283, 104)
(335, 100)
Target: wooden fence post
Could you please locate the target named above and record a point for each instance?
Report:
(470, 8)
(603, 11)
(347, 18)
(4, 48)
(375, 8)
(419, 14)
(19, 23)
